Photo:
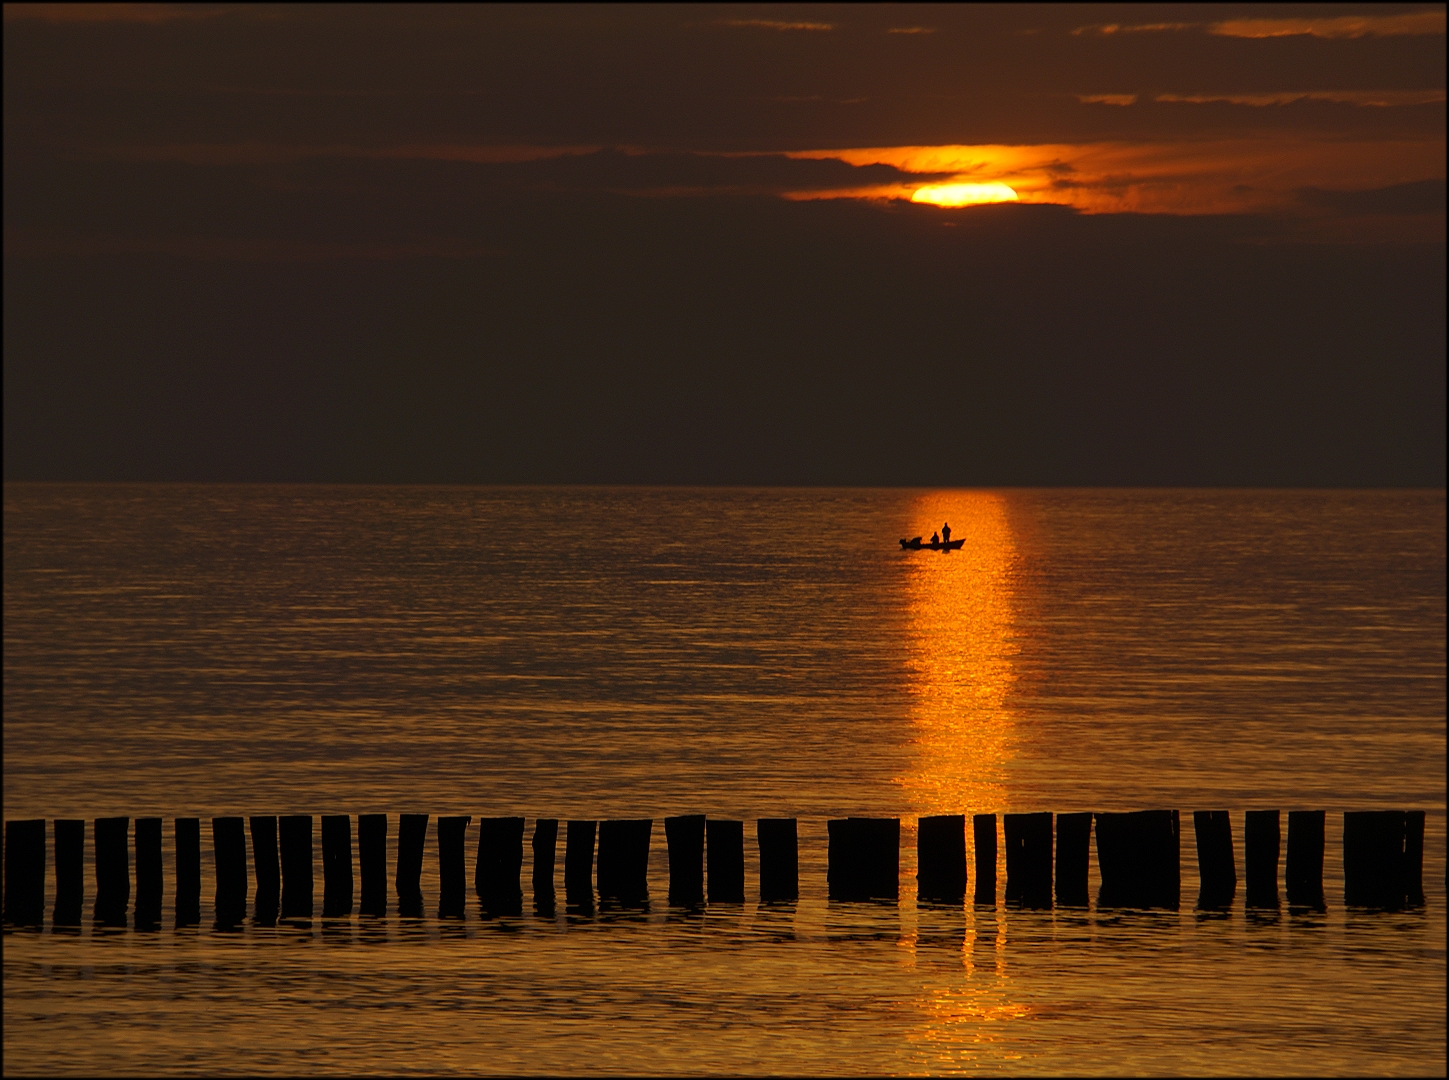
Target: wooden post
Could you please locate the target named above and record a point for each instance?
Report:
(70, 842)
(452, 875)
(412, 832)
(726, 857)
(1261, 844)
(295, 831)
(1028, 859)
(498, 874)
(864, 858)
(1139, 855)
(148, 873)
(188, 871)
(685, 838)
(268, 871)
(1413, 866)
(113, 871)
(983, 831)
(1074, 845)
(1373, 858)
(1217, 868)
(336, 866)
(941, 858)
(25, 872)
(779, 859)
(372, 854)
(624, 860)
(579, 864)
(545, 842)
(229, 846)
(1303, 871)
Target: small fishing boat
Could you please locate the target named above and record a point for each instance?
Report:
(915, 543)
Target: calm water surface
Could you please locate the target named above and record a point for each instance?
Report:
(208, 650)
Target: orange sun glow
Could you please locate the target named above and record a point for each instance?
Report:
(963, 194)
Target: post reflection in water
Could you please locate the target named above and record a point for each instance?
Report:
(962, 649)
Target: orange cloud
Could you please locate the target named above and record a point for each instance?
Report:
(776, 24)
(1138, 28)
(1374, 98)
(911, 30)
(1208, 177)
(1107, 99)
(1418, 23)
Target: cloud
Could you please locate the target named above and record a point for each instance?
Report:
(1107, 99)
(1374, 98)
(1188, 177)
(911, 30)
(1105, 29)
(776, 24)
(1418, 23)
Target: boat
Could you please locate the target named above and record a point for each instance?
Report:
(916, 544)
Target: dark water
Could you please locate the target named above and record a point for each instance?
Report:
(207, 650)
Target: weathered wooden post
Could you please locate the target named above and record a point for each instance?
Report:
(1373, 858)
(113, 871)
(1261, 843)
(267, 867)
(1413, 866)
(684, 836)
(452, 866)
(1028, 859)
(725, 855)
(70, 842)
(1217, 868)
(336, 866)
(229, 846)
(372, 855)
(1303, 870)
(498, 875)
(779, 859)
(545, 841)
(624, 860)
(411, 833)
(1139, 854)
(579, 864)
(864, 858)
(1074, 846)
(148, 873)
(188, 871)
(983, 832)
(25, 872)
(295, 831)
(941, 858)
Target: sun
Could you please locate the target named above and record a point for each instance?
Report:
(963, 194)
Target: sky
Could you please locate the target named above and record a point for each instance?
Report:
(734, 244)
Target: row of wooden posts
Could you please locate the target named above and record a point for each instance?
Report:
(1138, 856)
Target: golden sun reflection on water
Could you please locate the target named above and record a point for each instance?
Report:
(962, 651)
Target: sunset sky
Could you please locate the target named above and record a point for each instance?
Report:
(728, 244)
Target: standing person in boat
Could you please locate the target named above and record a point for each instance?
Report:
(935, 540)
(946, 533)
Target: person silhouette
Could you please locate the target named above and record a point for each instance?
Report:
(935, 540)
(946, 533)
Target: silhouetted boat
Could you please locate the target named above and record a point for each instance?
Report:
(916, 544)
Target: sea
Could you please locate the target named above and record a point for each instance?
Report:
(617, 652)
